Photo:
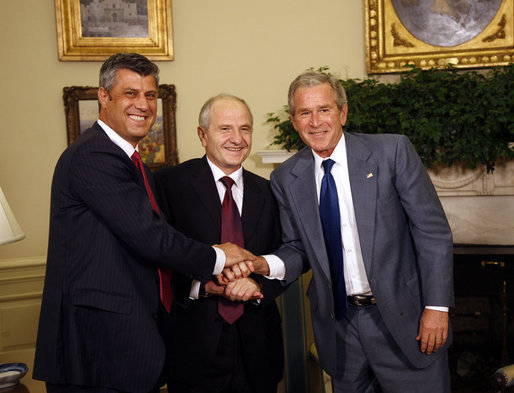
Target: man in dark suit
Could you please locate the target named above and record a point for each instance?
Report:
(98, 329)
(209, 354)
(382, 270)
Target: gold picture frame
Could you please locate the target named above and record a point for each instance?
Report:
(88, 32)
(390, 46)
(158, 149)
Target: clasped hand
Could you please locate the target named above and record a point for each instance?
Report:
(241, 289)
(233, 283)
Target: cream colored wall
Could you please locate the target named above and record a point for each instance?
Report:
(249, 48)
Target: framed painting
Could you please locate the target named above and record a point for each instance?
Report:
(436, 33)
(158, 149)
(96, 29)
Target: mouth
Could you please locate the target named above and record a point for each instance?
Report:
(137, 118)
(234, 149)
(317, 133)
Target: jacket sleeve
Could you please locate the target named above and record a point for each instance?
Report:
(107, 182)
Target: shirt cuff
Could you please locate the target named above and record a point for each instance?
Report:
(194, 293)
(277, 269)
(437, 308)
(221, 258)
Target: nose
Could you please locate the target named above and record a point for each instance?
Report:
(236, 137)
(314, 119)
(141, 102)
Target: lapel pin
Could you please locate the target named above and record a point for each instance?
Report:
(369, 175)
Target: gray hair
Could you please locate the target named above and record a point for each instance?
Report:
(204, 117)
(315, 78)
(130, 61)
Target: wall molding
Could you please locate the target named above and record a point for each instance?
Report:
(23, 262)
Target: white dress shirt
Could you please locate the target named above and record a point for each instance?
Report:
(354, 271)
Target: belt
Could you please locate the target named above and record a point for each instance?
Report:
(361, 300)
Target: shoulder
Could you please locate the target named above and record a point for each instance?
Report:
(92, 145)
(380, 144)
(180, 170)
(253, 177)
(255, 183)
(300, 160)
(377, 140)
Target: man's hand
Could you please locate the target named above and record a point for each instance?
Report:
(261, 266)
(236, 254)
(214, 289)
(433, 330)
(240, 270)
(243, 289)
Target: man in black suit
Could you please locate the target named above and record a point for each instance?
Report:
(98, 329)
(209, 354)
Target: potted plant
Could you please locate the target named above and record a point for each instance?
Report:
(450, 116)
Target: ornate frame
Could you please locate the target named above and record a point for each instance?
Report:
(390, 46)
(73, 94)
(72, 46)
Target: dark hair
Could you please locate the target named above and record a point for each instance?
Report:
(314, 78)
(130, 61)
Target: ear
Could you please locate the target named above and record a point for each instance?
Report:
(344, 113)
(103, 97)
(202, 135)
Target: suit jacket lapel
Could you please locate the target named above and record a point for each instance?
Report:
(203, 185)
(252, 206)
(363, 172)
(304, 196)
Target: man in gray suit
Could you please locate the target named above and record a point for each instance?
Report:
(379, 308)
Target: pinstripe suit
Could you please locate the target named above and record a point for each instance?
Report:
(97, 325)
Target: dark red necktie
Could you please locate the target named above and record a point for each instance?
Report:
(231, 231)
(164, 274)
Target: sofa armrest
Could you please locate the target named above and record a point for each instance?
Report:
(503, 378)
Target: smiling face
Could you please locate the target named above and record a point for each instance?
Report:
(131, 106)
(317, 118)
(228, 139)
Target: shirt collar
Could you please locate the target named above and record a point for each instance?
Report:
(338, 155)
(117, 139)
(237, 175)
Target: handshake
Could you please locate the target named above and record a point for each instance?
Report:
(234, 282)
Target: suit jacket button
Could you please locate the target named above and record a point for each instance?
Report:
(155, 316)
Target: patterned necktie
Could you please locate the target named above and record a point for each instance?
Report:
(164, 274)
(331, 223)
(231, 231)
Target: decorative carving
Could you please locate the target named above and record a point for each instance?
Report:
(398, 41)
(459, 180)
(500, 33)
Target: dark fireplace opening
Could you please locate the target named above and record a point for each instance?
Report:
(482, 316)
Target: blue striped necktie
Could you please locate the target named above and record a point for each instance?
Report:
(331, 223)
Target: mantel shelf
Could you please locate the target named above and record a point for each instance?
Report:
(274, 156)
